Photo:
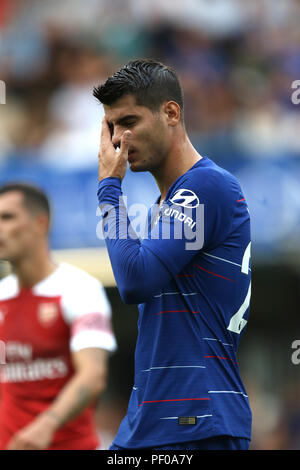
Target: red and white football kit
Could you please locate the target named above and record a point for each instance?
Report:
(40, 327)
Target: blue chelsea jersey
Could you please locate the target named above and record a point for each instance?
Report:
(193, 310)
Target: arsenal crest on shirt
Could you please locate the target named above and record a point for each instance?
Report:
(47, 313)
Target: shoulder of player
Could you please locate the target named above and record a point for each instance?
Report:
(81, 293)
(67, 279)
(8, 287)
(203, 180)
(75, 276)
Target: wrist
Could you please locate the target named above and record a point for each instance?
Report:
(109, 191)
(51, 420)
(110, 179)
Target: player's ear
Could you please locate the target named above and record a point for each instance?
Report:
(42, 223)
(172, 112)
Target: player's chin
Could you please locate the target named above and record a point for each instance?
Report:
(137, 166)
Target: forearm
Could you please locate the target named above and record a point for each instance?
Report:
(134, 266)
(81, 391)
(86, 384)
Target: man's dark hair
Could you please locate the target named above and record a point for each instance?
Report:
(149, 81)
(35, 200)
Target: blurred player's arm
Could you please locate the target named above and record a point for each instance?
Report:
(85, 386)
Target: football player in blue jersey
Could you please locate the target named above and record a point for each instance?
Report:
(190, 274)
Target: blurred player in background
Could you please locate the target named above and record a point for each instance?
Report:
(193, 290)
(55, 324)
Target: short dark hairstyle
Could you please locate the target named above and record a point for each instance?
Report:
(149, 81)
(35, 200)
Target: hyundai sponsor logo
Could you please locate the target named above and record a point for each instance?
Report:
(185, 198)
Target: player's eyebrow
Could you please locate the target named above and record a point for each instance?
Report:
(124, 119)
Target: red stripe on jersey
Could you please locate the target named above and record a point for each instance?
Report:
(175, 311)
(172, 399)
(214, 274)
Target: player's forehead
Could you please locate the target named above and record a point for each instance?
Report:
(126, 106)
(12, 201)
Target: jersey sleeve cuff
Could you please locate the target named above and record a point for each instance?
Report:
(108, 187)
(93, 339)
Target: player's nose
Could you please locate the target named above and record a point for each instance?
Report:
(116, 138)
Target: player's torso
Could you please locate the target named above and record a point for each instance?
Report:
(36, 339)
(36, 360)
(36, 344)
(211, 288)
(186, 362)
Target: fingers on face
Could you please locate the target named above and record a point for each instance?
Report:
(107, 142)
(105, 133)
(125, 143)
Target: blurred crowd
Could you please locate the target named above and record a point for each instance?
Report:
(237, 61)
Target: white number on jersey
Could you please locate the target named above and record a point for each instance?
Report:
(237, 322)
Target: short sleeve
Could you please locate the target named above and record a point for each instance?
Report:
(88, 312)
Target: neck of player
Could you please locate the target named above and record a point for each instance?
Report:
(180, 158)
(34, 267)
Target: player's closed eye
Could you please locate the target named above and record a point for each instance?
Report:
(7, 216)
(129, 123)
